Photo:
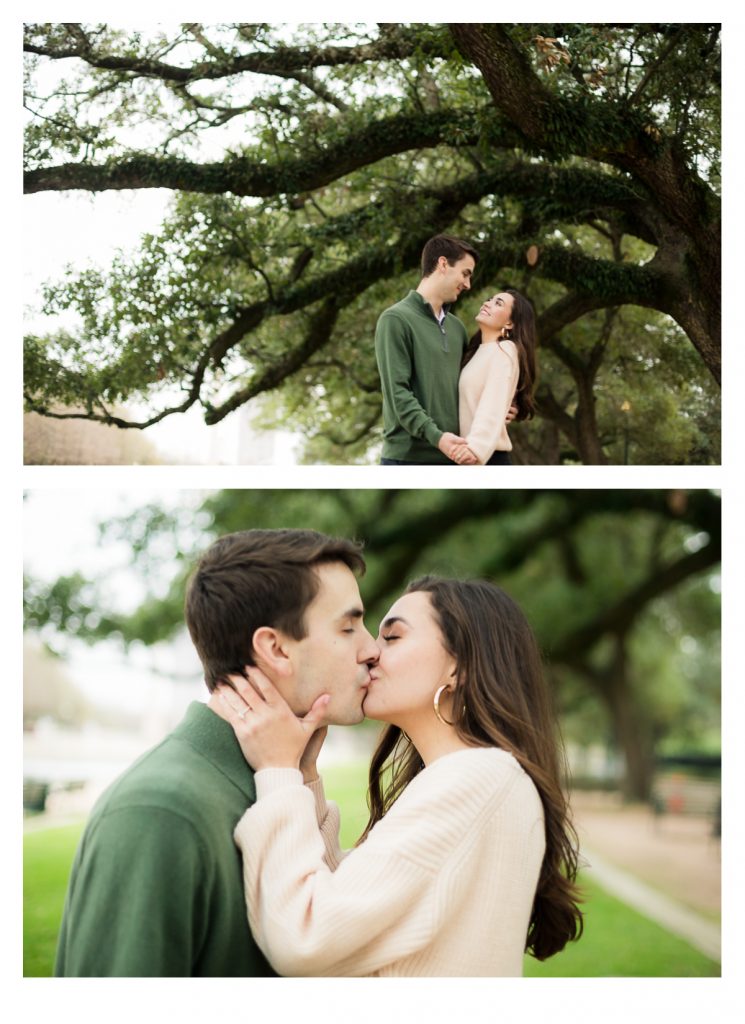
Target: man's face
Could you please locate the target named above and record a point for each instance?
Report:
(456, 279)
(335, 655)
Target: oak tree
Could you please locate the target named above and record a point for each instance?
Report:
(309, 163)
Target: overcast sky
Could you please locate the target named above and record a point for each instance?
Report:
(84, 230)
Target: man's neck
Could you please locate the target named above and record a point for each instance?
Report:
(216, 703)
(430, 295)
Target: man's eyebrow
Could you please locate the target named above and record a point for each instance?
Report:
(353, 613)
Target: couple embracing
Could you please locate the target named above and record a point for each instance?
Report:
(447, 399)
(217, 853)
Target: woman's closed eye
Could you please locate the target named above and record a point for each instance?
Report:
(391, 636)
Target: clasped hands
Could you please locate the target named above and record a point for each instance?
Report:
(457, 450)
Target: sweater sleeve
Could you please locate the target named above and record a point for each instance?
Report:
(494, 402)
(383, 902)
(394, 355)
(329, 824)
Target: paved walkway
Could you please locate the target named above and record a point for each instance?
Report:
(687, 924)
(668, 869)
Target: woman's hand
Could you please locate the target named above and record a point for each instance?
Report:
(310, 754)
(463, 456)
(269, 733)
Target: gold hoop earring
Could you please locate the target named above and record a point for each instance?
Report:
(436, 705)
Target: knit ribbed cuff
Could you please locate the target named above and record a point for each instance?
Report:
(268, 780)
(316, 788)
(432, 433)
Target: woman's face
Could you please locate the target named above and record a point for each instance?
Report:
(413, 663)
(496, 312)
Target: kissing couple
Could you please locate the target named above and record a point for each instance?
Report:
(217, 853)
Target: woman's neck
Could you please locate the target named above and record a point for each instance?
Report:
(433, 739)
(490, 335)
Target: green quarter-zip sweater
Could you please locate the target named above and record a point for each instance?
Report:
(156, 888)
(419, 365)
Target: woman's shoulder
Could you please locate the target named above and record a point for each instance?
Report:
(439, 807)
(494, 353)
(475, 760)
(489, 772)
(507, 347)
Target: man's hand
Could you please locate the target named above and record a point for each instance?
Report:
(448, 444)
(511, 414)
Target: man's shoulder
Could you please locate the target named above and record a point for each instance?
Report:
(169, 776)
(404, 309)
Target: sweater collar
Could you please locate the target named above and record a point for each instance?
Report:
(424, 307)
(214, 739)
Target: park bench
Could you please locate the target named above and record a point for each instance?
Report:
(678, 793)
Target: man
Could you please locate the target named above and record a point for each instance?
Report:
(419, 346)
(156, 887)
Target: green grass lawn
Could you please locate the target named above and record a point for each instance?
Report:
(618, 942)
(47, 857)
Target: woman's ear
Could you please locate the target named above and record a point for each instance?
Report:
(271, 653)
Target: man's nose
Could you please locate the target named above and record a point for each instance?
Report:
(370, 651)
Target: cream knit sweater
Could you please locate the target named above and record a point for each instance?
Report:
(485, 391)
(442, 886)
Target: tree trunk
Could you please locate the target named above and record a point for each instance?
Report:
(632, 730)
(586, 427)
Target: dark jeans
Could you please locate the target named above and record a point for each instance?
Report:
(497, 459)
(398, 462)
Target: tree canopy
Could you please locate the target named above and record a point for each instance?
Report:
(619, 586)
(308, 166)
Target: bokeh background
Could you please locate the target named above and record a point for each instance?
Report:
(622, 589)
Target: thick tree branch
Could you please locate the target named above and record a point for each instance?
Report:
(343, 284)
(593, 128)
(318, 334)
(619, 618)
(246, 176)
(282, 60)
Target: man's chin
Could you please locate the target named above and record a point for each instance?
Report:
(369, 713)
(353, 716)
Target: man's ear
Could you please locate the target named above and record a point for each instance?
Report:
(270, 649)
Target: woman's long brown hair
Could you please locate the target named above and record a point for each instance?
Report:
(501, 687)
(522, 333)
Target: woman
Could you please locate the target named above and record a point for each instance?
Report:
(468, 857)
(498, 370)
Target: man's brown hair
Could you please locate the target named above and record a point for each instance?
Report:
(453, 249)
(256, 578)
